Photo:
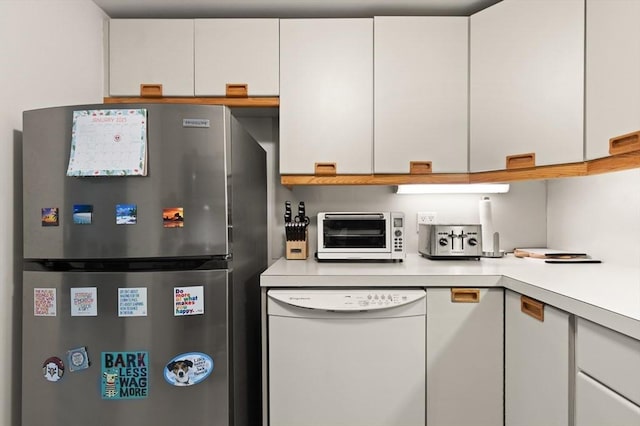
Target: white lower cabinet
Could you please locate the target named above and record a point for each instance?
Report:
(537, 363)
(465, 357)
(597, 405)
(610, 358)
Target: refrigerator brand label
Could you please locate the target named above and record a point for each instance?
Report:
(84, 301)
(195, 122)
(132, 302)
(188, 301)
(53, 369)
(44, 302)
(188, 369)
(125, 375)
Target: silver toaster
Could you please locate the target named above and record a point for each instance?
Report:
(450, 241)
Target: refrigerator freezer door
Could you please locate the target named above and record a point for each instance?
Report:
(188, 167)
(138, 349)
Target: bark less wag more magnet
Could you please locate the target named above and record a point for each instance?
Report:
(53, 369)
(188, 369)
(124, 375)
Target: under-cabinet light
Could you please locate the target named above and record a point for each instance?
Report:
(473, 188)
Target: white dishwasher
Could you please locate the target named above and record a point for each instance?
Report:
(347, 357)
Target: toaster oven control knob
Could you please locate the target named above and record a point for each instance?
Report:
(398, 233)
(472, 242)
(443, 242)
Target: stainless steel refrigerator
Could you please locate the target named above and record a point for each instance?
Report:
(141, 292)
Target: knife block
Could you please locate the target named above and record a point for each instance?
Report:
(298, 250)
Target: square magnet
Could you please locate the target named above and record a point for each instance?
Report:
(50, 216)
(82, 214)
(126, 214)
(173, 217)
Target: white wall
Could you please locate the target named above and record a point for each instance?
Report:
(598, 214)
(519, 216)
(51, 53)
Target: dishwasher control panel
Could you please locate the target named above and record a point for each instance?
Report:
(348, 300)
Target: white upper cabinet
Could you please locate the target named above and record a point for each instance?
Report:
(236, 51)
(421, 93)
(613, 72)
(151, 51)
(527, 83)
(326, 95)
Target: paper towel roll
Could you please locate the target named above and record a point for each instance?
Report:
(486, 221)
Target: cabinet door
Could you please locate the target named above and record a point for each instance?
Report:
(464, 358)
(421, 93)
(151, 51)
(536, 366)
(236, 51)
(326, 95)
(597, 405)
(613, 70)
(611, 358)
(527, 77)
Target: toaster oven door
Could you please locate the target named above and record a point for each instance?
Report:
(354, 232)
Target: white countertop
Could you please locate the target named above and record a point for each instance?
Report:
(604, 293)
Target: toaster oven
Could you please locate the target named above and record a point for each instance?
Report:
(361, 236)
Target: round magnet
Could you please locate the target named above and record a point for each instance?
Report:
(188, 369)
(53, 369)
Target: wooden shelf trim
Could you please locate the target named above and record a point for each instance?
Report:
(531, 173)
(266, 102)
(290, 180)
(612, 163)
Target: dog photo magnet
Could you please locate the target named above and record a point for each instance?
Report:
(188, 369)
(53, 369)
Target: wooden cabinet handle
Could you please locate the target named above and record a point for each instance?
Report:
(420, 167)
(150, 90)
(625, 143)
(465, 295)
(326, 169)
(532, 307)
(237, 90)
(521, 161)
